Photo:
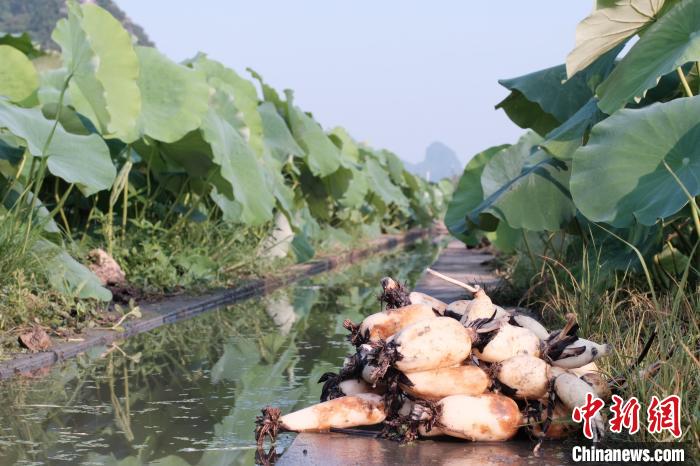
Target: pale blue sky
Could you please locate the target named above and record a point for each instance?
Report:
(397, 74)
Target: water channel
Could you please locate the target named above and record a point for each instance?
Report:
(188, 393)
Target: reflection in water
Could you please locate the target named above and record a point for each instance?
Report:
(189, 393)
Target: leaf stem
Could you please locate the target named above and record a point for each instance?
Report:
(686, 86)
(529, 251)
(60, 202)
(691, 200)
(125, 200)
(44, 160)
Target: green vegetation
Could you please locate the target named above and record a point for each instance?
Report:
(183, 172)
(597, 202)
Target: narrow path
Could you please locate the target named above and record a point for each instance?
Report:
(465, 265)
(333, 449)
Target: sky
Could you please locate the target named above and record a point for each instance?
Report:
(397, 74)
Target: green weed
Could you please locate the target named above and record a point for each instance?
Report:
(625, 314)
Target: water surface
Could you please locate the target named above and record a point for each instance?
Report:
(188, 393)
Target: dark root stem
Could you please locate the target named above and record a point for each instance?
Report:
(385, 355)
(504, 389)
(265, 458)
(551, 399)
(394, 396)
(485, 324)
(492, 370)
(355, 337)
(554, 347)
(533, 413)
(427, 414)
(267, 425)
(449, 313)
(481, 339)
(394, 294)
(331, 386)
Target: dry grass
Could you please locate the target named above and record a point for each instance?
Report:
(625, 313)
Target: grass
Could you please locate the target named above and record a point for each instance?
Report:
(25, 294)
(195, 256)
(158, 260)
(624, 313)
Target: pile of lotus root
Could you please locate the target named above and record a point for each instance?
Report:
(468, 369)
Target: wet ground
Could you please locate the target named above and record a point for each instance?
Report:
(188, 393)
(341, 449)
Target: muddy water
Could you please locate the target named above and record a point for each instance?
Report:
(188, 393)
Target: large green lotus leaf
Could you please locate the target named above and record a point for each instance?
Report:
(668, 88)
(10, 150)
(231, 209)
(347, 144)
(607, 27)
(619, 177)
(380, 183)
(667, 44)
(277, 183)
(244, 95)
(394, 166)
(222, 102)
(69, 119)
(468, 194)
(319, 194)
(18, 77)
(563, 141)
(302, 247)
(98, 53)
(507, 163)
(174, 98)
(552, 92)
(672, 261)
(191, 152)
(269, 93)
(50, 84)
(545, 99)
(421, 213)
(412, 182)
(526, 188)
(276, 133)
(443, 190)
(526, 114)
(322, 156)
(67, 275)
(505, 238)
(243, 176)
(349, 186)
(536, 200)
(83, 160)
(22, 42)
(367, 152)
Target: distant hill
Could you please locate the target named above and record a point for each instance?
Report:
(38, 18)
(440, 162)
